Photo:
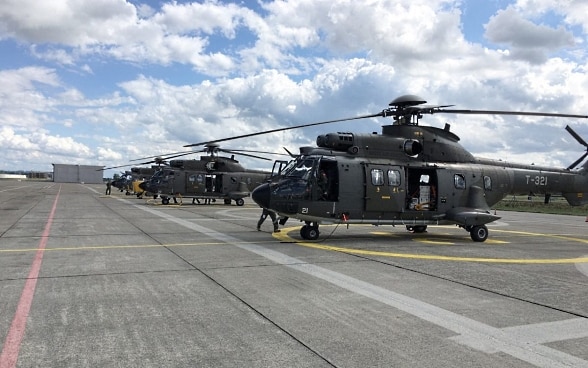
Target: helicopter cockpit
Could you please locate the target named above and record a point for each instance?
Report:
(308, 178)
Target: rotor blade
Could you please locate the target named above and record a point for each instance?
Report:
(167, 154)
(283, 129)
(577, 162)
(575, 135)
(252, 151)
(498, 112)
(115, 167)
(289, 153)
(245, 154)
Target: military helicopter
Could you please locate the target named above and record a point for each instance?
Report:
(130, 180)
(409, 175)
(210, 178)
(123, 182)
(139, 175)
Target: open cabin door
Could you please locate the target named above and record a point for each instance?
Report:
(384, 188)
(422, 189)
(214, 183)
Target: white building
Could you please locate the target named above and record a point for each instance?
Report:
(88, 174)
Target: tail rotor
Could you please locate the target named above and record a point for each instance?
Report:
(582, 142)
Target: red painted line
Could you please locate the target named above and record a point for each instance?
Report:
(15, 335)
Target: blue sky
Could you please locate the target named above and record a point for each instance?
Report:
(102, 82)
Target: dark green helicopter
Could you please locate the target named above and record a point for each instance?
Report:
(409, 175)
(210, 178)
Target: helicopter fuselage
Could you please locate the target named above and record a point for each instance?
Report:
(208, 178)
(409, 175)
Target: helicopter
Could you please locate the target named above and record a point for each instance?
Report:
(123, 182)
(409, 175)
(139, 175)
(130, 180)
(210, 178)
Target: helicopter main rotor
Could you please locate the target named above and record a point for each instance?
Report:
(405, 110)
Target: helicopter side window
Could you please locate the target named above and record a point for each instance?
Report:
(394, 178)
(487, 183)
(377, 177)
(459, 181)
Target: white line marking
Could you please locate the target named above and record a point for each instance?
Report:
(522, 342)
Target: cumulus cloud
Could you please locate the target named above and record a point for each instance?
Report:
(115, 80)
(528, 41)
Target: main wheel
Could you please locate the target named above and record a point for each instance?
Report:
(417, 229)
(304, 231)
(240, 201)
(164, 200)
(479, 233)
(313, 233)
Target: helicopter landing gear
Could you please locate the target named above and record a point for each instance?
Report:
(478, 233)
(164, 200)
(310, 231)
(240, 201)
(417, 229)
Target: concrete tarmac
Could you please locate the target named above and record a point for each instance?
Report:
(89, 280)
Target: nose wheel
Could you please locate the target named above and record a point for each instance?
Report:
(310, 231)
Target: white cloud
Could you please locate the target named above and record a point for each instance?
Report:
(293, 62)
(529, 41)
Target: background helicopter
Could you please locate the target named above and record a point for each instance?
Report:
(130, 180)
(209, 178)
(409, 175)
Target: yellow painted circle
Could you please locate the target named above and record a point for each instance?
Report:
(283, 236)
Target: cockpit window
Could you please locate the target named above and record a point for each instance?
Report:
(300, 168)
(289, 166)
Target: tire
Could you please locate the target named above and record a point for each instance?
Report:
(240, 201)
(479, 233)
(312, 233)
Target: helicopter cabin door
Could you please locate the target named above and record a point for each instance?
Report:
(384, 189)
(421, 185)
(213, 183)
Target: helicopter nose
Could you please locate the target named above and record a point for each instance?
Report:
(261, 195)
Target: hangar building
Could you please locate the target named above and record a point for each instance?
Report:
(87, 174)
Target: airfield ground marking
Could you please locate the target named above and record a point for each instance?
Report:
(11, 347)
(283, 236)
(98, 247)
(515, 341)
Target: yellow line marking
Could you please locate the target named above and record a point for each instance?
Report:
(99, 247)
(283, 236)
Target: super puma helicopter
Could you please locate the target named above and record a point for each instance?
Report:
(210, 178)
(409, 175)
(130, 180)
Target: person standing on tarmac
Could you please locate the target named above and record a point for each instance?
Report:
(108, 187)
(264, 214)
